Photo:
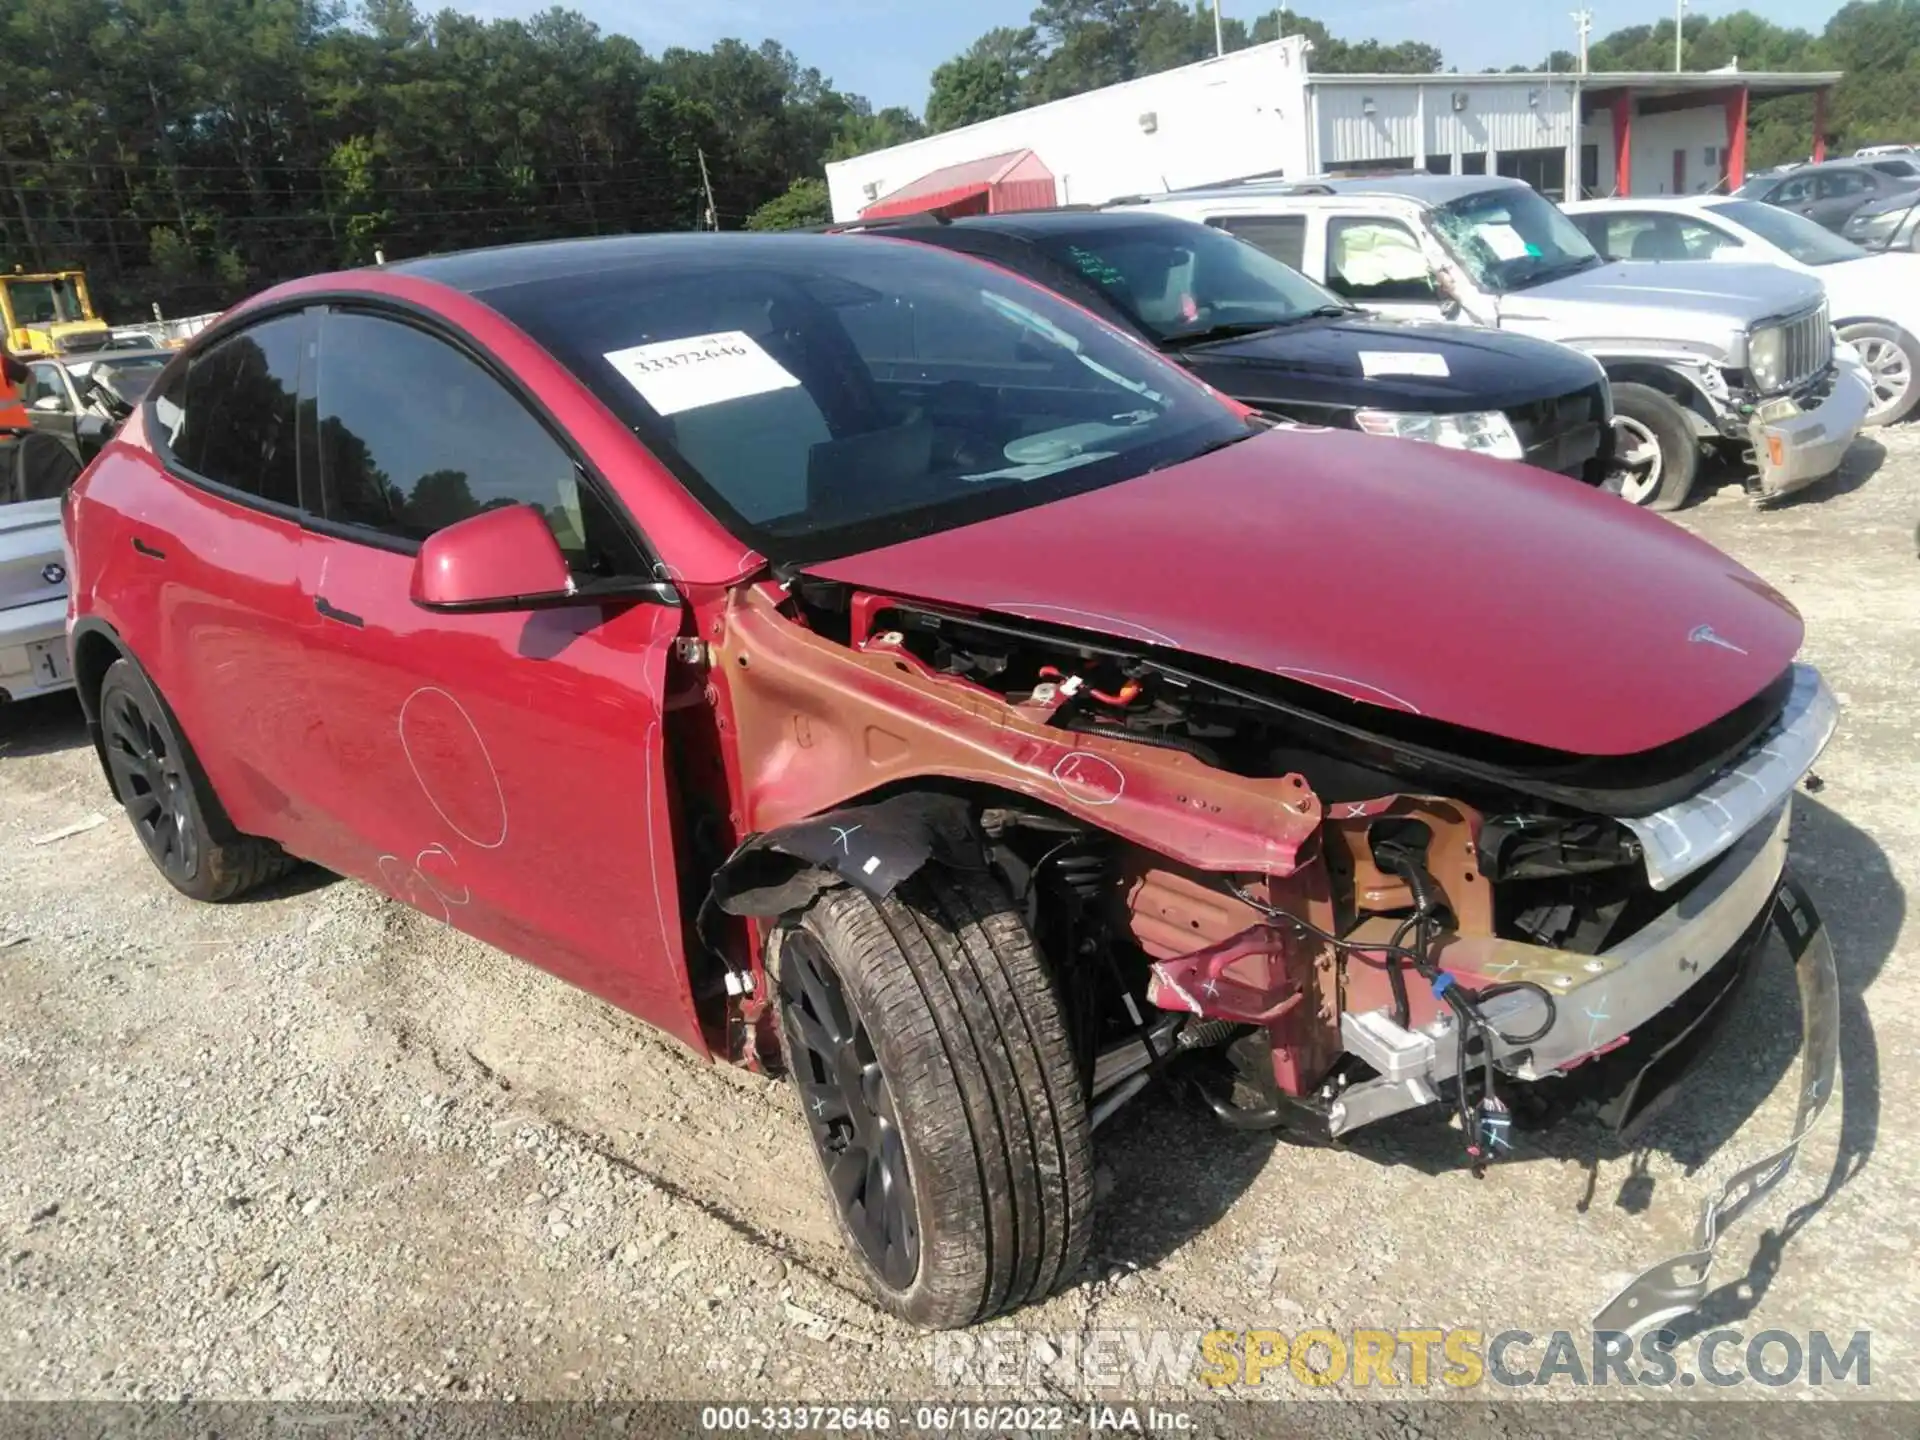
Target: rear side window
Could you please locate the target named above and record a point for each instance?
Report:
(232, 415)
(1377, 259)
(44, 383)
(1284, 237)
(1644, 235)
(415, 435)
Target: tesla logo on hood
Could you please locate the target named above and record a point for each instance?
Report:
(1703, 635)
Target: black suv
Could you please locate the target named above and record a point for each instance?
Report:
(1269, 337)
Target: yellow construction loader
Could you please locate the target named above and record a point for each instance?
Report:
(50, 314)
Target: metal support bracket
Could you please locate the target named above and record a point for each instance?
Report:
(1677, 1285)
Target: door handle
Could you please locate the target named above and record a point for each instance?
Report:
(332, 612)
(142, 548)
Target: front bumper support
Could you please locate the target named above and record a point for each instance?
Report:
(1796, 446)
(1599, 1000)
(1677, 1285)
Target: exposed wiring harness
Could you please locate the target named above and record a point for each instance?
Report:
(1485, 1126)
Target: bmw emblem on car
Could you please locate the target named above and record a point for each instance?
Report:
(54, 573)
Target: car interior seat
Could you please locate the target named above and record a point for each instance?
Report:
(1659, 242)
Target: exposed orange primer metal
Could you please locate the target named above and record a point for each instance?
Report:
(815, 725)
(808, 724)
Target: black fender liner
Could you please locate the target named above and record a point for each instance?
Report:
(874, 846)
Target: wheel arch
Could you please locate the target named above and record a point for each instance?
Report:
(1669, 382)
(1840, 323)
(96, 645)
(96, 648)
(875, 841)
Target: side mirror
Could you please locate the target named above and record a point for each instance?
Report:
(505, 559)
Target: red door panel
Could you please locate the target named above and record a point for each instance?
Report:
(504, 773)
(205, 592)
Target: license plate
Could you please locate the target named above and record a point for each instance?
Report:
(49, 661)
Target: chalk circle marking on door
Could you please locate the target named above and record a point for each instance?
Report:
(407, 882)
(454, 770)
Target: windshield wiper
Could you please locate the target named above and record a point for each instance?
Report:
(1555, 272)
(1240, 329)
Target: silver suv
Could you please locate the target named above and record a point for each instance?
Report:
(1741, 358)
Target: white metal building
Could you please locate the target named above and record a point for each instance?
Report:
(1260, 112)
(1238, 114)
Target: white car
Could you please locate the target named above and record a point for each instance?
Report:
(1874, 299)
(33, 600)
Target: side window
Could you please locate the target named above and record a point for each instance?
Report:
(1595, 228)
(1794, 192)
(1619, 232)
(1643, 236)
(1377, 260)
(415, 435)
(1284, 237)
(1843, 182)
(232, 415)
(1703, 240)
(44, 382)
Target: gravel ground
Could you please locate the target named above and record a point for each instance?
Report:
(317, 1146)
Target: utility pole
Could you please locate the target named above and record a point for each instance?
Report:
(1679, 32)
(1583, 23)
(1219, 41)
(713, 215)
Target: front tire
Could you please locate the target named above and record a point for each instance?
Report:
(932, 1061)
(168, 801)
(1656, 454)
(1892, 358)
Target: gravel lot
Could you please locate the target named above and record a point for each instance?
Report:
(319, 1146)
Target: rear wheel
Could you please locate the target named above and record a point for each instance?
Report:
(1656, 454)
(161, 788)
(1892, 358)
(933, 1067)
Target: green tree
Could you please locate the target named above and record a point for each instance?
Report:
(992, 77)
(863, 132)
(271, 138)
(805, 203)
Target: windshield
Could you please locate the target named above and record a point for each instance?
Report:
(44, 302)
(1511, 238)
(1180, 281)
(1903, 168)
(1800, 237)
(823, 395)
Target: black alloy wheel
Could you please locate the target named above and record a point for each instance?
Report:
(850, 1110)
(150, 774)
(168, 799)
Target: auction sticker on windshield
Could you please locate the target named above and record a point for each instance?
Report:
(677, 375)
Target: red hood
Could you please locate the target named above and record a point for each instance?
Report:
(1479, 592)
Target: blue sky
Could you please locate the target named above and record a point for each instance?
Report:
(886, 49)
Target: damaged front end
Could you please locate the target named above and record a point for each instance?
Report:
(1323, 911)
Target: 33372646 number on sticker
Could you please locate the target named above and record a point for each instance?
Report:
(699, 370)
